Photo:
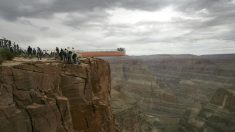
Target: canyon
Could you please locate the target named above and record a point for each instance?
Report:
(157, 93)
(152, 93)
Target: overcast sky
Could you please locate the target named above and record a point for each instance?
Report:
(141, 26)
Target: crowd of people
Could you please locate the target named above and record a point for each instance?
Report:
(65, 55)
(69, 56)
(13, 48)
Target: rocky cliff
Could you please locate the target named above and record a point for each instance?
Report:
(216, 116)
(54, 97)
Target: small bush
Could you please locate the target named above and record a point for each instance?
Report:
(5, 55)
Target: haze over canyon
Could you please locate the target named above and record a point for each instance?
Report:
(155, 93)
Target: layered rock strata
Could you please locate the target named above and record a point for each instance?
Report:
(165, 86)
(216, 116)
(55, 97)
(137, 99)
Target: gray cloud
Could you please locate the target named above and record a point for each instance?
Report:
(27, 8)
(85, 19)
(87, 23)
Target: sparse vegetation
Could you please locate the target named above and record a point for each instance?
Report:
(5, 55)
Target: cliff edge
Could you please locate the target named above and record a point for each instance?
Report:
(51, 96)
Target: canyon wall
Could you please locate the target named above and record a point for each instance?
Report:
(215, 116)
(165, 86)
(138, 100)
(55, 97)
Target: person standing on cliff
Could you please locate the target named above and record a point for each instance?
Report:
(4, 43)
(39, 53)
(34, 52)
(17, 47)
(11, 50)
(29, 51)
(65, 55)
(14, 48)
(1, 43)
(9, 44)
(69, 57)
(61, 54)
(57, 52)
(74, 57)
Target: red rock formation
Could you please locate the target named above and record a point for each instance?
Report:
(55, 97)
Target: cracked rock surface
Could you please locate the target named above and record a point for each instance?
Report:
(54, 97)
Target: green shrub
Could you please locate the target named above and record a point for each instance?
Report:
(5, 55)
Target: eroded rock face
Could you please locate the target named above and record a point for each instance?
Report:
(138, 102)
(56, 97)
(216, 116)
(165, 86)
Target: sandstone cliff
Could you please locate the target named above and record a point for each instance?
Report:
(55, 97)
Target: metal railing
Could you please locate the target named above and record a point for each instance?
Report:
(103, 50)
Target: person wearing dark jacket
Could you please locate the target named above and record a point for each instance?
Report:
(74, 58)
(70, 57)
(34, 52)
(29, 51)
(61, 54)
(65, 54)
